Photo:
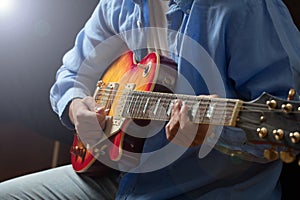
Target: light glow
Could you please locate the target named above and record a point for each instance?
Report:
(6, 6)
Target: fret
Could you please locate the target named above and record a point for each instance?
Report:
(129, 106)
(209, 112)
(165, 108)
(170, 106)
(146, 105)
(204, 111)
(195, 108)
(227, 113)
(153, 103)
(159, 115)
(133, 113)
(217, 112)
(158, 106)
(138, 111)
(150, 107)
(201, 111)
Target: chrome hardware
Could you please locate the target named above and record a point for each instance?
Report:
(271, 104)
(287, 107)
(262, 118)
(271, 154)
(295, 137)
(278, 134)
(291, 95)
(262, 132)
(78, 151)
(287, 156)
(100, 84)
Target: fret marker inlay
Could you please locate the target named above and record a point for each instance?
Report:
(156, 106)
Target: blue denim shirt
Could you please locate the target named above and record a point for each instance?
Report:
(226, 47)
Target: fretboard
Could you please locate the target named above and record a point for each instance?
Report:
(203, 110)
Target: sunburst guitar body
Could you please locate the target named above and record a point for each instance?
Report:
(152, 73)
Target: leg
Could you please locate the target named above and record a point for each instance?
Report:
(59, 183)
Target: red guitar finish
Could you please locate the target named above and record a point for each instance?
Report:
(124, 75)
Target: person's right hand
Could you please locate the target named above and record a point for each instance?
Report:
(88, 118)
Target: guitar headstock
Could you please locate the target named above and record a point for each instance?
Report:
(272, 120)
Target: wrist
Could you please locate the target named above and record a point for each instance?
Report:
(71, 109)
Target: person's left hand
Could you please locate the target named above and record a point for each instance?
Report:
(181, 131)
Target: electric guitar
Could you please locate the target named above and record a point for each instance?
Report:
(142, 91)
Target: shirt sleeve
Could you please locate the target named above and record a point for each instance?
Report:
(83, 65)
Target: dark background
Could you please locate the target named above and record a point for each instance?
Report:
(33, 38)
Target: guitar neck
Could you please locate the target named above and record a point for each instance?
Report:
(202, 109)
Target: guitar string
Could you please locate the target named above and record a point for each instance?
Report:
(204, 100)
(221, 105)
(246, 107)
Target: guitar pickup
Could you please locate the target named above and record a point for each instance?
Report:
(104, 96)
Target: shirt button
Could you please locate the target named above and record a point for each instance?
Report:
(188, 11)
(139, 24)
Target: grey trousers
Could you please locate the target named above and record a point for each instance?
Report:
(59, 183)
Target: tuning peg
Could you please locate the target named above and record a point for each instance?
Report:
(291, 95)
(271, 154)
(287, 156)
(287, 107)
(278, 134)
(271, 104)
(262, 132)
(295, 137)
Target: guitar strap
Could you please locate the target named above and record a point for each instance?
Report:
(288, 34)
(157, 41)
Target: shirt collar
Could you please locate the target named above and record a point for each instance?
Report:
(140, 1)
(184, 5)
